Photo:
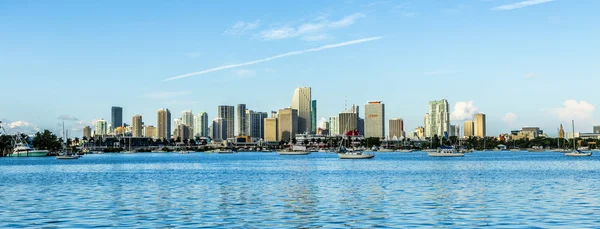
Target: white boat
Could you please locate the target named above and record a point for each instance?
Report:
(323, 151)
(24, 150)
(405, 150)
(66, 155)
(446, 152)
(577, 152)
(222, 151)
(355, 155)
(515, 150)
(384, 150)
(295, 150)
(128, 152)
(430, 150)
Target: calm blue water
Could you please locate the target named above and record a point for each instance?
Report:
(265, 190)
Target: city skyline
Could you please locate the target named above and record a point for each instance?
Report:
(542, 45)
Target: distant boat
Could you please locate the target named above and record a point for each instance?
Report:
(405, 150)
(577, 152)
(222, 151)
(66, 155)
(343, 153)
(385, 150)
(446, 151)
(294, 150)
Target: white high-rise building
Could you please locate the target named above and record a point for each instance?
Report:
(219, 129)
(302, 103)
(187, 118)
(334, 126)
(438, 119)
(201, 125)
(101, 127)
(374, 119)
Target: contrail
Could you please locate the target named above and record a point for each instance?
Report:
(275, 57)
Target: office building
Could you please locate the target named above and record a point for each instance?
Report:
(347, 121)
(469, 129)
(596, 129)
(241, 121)
(163, 124)
(227, 113)
(396, 128)
(334, 125)
(101, 127)
(183, 132)
(136, 124)
(313, 116)
(426, 124)
(374, 122)
(177, 122)
(454, 130)
(150, 132)
(187, 118)
(301, 102)
(438, 118)
(360, 126)
(479, 121)
(87, 132)
(561, 131)
(116, 115)
(271, 132)
(419, 132)
(201, 125)
(255, 124)
(287, 124)
(219, 129)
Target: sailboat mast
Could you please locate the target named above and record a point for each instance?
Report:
(573, 137)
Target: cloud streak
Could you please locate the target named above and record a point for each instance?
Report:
(309, 31)
(521, 4)
(294, 53)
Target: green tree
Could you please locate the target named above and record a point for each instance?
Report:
(294, 141)
(46, 140)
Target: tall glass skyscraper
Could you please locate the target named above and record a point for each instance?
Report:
(313, 116)
(116, 117)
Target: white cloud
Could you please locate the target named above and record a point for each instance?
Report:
(165, 94)
(521, 4)
(580, 111)
(324, 47)
(309, 31)
(530, 75)
(13, 127)
(244, 73)
(463, 111)
(441, 72)
(321, 122)
(241, 27)
(510, 118)
(67, 118)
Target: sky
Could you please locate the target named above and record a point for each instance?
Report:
(521, 62)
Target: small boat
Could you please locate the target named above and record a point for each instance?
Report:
(446, 152)
(222, 151)
(129, 152)
(385, 150)
(294, 150)
(405, 150)
(515, 150)
(323, 151)
(430, 150)
(357, 154)
(66, 156)
(578, 152)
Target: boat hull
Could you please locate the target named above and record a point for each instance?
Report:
(587, 154)
(355, 156)
(37, 153)
(435, 154)
(293, 153)
(69, 157)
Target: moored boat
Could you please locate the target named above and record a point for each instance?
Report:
(446, 152)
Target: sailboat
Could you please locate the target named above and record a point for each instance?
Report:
(343, 153)
(576, 152)
(66, 154)
(445, 151)
(129, 151)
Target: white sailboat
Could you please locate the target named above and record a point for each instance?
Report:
(66, 154)
(576, 152)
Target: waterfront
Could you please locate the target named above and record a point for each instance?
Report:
(246, 190)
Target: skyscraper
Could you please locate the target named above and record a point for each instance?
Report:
(595, 128)
(101, 127)
(454, 130)
(227, 113)
(187, 118)
(270, 127)
(313, 116)
(561, 131)
(136, 124)
(183, 132)
(164, 124)
(87, 132)
(396, 128)
(201, 125)
(287, 124)
(219, 129)
(480, 125)
(334, 125)
(302, 102)
(439, 118)
(116, 115)
(255, 124)
(347, 121)
(374, 119)
(468, 129)
(241, 122)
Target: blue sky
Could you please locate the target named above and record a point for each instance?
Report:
(523, 63)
